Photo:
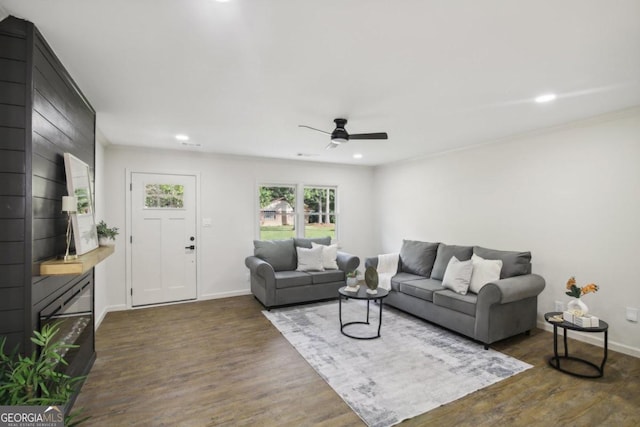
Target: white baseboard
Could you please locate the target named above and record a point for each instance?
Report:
(595, 339)
(228, 294)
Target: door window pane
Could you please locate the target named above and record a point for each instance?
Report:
(277, 212)
(320, 212)
(164, 196)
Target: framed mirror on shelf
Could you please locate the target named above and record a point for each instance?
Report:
(78, 174)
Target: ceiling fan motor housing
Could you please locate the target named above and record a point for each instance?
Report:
(339, 134)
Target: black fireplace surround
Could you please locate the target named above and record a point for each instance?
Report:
(73, 314)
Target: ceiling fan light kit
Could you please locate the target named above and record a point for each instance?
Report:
(341, 136)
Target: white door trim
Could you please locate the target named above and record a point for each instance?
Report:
(128, 228)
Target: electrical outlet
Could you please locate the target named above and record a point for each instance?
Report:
(632, 314)
(559, 306)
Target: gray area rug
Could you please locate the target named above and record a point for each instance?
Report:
(413, 368)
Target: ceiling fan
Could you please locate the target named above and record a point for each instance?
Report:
(341, 136)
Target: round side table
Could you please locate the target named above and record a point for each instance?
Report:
(554, 361)
(361, 294)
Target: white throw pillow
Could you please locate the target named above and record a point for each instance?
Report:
(457, 275)
(484, 271)
(309, 259)
(329, 255)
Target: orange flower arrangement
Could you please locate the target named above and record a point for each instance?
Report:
(576, 292)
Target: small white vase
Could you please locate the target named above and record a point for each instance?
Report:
(577, 305)
(352, 282)
(106, 241)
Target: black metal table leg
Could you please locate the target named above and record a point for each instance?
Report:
(380, 319)
(368, 311)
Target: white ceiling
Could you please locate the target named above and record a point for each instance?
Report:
(238, 77)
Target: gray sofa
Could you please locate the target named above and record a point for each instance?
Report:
(275, 281)
(501, 308)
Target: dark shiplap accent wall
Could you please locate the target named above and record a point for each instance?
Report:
(63, 121)
(15, 216)
(43, 114)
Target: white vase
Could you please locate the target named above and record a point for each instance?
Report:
(106, 241)
(352, 282)
(576, 304)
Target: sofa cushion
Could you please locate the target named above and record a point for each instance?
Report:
(401, 278)
(513, 263)
(418, 257)
(326, 276)
(444, 254)
(422, 288)
(310, 259)
(458, 276)
(306, 243)
(281, 254)
(462, 303)
(484, 271)
(290, 279)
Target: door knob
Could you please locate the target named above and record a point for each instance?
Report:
(192, 247)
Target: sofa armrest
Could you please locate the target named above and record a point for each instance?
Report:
(347, 262)
(260, 267)
(371, 262)
(512, 289)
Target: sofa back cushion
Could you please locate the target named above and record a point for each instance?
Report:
(306, 243)
(418, 257)
(444, 255)
(513, 263)
(281, 254)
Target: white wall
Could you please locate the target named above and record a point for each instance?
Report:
(228, 196)
(570, 196)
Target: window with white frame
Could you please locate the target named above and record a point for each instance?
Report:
(283, 207)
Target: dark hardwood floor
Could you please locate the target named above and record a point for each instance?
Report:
(222, 363)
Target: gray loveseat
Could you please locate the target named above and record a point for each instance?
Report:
(501, 308)
(275, 281)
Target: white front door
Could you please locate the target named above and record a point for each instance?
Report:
(163, 238)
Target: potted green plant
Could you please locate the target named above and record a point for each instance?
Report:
(35, 380)
(106, 235)
(352, 278)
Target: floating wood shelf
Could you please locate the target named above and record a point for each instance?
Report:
(78, 266)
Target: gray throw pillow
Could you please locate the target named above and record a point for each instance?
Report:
(417, 257)
(445, 252)
(513, 263)
(306, 243)
(281, 254)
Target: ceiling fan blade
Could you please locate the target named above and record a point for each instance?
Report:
(378, 135)
(331, 146)
(319, 130)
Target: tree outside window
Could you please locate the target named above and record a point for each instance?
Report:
(320, 212)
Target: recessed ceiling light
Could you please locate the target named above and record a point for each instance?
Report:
(182, 137)
(357, 156)
(547, 97)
